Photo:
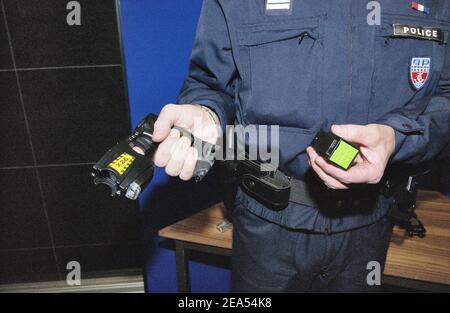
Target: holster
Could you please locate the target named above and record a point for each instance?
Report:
(403, 191)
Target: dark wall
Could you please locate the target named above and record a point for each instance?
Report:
(63, 103)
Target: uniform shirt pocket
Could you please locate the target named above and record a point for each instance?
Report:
(282, 65)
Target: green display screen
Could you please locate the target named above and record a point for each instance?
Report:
(344, 154)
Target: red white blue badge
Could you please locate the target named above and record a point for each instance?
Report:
(419, 7)
(419, 72)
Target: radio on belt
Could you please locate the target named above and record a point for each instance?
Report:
(335, 150)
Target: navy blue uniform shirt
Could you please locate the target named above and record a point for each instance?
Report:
(255, 66)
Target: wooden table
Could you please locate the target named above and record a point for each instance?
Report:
(423, 264)
(420, 264)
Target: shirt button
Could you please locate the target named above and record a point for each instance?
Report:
(339, 203)
(356, 203)
(407, 125)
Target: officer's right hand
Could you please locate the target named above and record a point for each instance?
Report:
(174, 152)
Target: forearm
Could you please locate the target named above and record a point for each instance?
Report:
(212, 71)
(422, 139)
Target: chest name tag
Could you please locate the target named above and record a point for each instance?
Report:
(419, 32)
(278, 7)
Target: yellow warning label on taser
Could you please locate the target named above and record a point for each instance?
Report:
(344, 154)
(121, 164)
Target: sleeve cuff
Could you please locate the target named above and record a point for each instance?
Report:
(403, 126)
(399, 141)
(224, 117)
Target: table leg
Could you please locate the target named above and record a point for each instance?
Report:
(184, 284)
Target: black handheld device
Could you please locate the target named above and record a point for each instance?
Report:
(127, 172)
(335, 150)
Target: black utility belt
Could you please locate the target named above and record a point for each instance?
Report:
(276, 190)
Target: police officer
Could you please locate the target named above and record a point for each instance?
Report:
(310, 65)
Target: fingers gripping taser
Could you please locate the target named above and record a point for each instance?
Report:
(127, 172)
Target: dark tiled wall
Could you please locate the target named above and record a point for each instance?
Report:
(62, 105)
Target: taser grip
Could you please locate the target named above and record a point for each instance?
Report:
(205, 150)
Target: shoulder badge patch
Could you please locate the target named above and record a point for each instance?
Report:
(419, 72)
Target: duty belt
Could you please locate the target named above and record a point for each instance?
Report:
(274, 189)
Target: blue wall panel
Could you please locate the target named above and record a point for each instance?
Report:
(158, 37)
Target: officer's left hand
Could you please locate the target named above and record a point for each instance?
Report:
(376, 143)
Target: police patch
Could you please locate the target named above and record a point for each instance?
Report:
(419, 32)
(419, 72)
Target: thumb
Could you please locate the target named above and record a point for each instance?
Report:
(166, 119)
(352, 133)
